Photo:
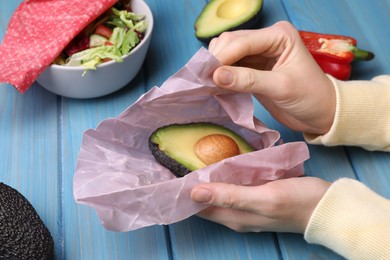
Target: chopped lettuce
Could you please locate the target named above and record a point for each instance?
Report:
(125, 36)
(130, 41)
(127, 17)
(141, 26)
(90, 58)
(117, 37)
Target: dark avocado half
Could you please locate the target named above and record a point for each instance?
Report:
(23, 235)
(219, 16)
(173, 146)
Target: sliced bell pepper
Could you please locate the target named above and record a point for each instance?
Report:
(334, 53)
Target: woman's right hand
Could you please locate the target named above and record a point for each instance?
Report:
(284, 205)
(275, 66)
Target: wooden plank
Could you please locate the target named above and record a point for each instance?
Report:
(41, 135)
(29, 148)
(40, 140)
(195, 238)
(6, 11)
(29, 143)
(198, 239)
(173, 41)
(188, 239)
(363, 21)
(84, 237)
(325, 163)
(372, 168)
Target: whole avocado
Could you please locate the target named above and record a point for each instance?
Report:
(23, 235)
(219, 16)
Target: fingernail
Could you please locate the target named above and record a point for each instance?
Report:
(225, 77)
(201, 195)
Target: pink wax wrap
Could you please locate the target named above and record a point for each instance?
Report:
(117, 175)
(37, 33)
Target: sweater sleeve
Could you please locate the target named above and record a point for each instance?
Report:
(351, 220)
(362, 115)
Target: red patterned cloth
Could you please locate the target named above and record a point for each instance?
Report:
(37, 33)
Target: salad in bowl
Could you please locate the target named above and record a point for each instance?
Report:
(105, 56)
(111, 36)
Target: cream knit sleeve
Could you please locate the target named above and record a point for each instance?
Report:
(362, 115)
(353, 221)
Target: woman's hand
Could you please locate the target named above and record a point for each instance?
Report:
(274, 65)
(284, 205)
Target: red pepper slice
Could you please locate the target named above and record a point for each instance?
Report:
(334, 53)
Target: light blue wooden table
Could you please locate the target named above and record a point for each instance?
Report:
(40, 137)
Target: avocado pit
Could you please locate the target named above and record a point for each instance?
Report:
(215, 147)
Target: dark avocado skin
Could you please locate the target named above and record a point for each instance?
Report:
(176, 168)
(23, 235)
(248, 24)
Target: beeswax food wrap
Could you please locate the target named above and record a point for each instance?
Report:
(37, 33)
(117, 175)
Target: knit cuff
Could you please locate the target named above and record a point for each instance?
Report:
(351, 220)
(362, 115)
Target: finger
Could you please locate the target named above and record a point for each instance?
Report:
(218, 43)
(212, 45)
(270, 41)
(228, 196)
(271, 84)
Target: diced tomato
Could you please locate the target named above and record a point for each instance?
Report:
(107, 43)
(103, 31)
(106, 59)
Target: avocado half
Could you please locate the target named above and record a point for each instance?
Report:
(173, 145)
(219, 16)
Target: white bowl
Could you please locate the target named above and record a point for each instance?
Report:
(108, 77)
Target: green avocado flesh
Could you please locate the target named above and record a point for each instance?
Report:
(226, 15)
(173, 145)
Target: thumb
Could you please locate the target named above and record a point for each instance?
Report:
(248, 80)
(226, 195)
